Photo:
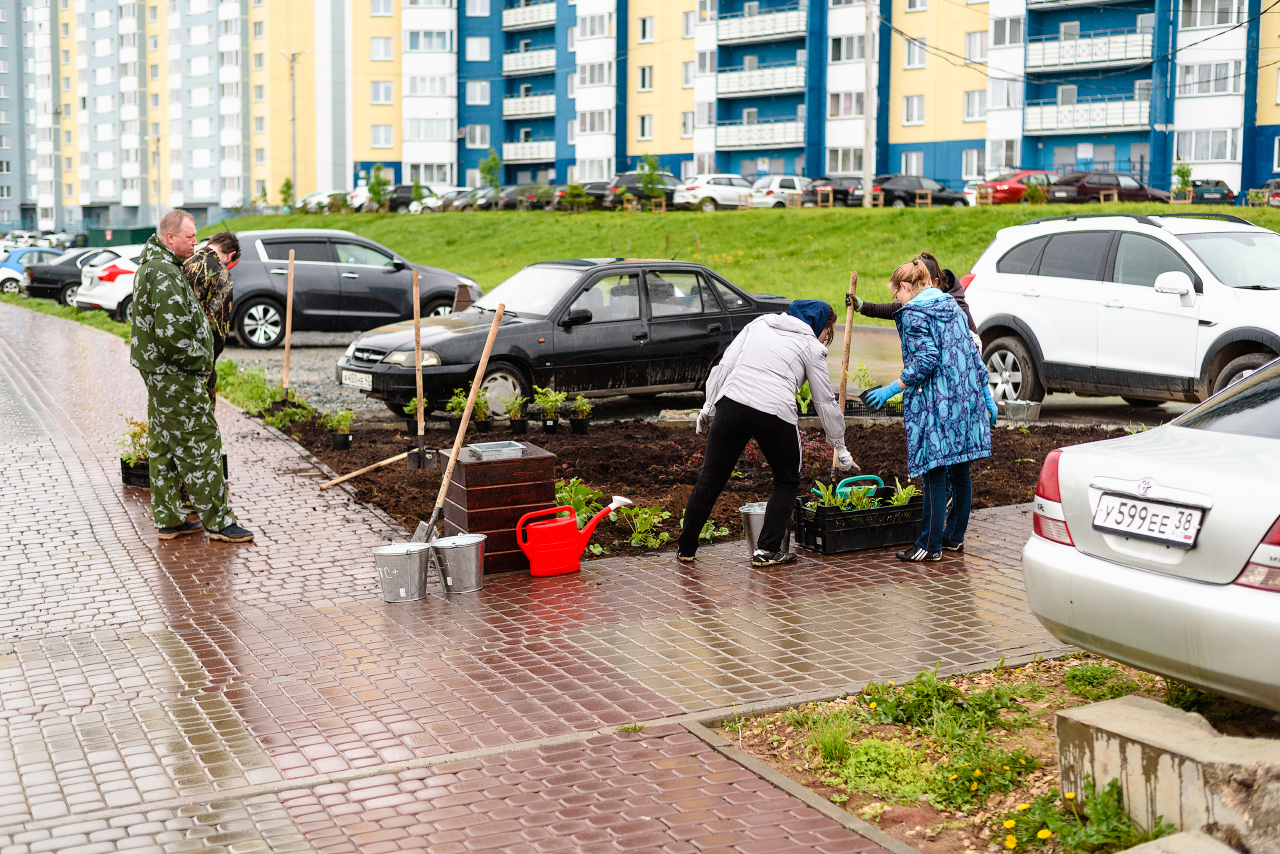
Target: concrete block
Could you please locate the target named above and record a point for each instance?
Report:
(1183, 843)
(1173, 764)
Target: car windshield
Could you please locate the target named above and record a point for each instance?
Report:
(534, 291)
(1240, 259)
(1006, 177)
(762, 183)
(1251, 407)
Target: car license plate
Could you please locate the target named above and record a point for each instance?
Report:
(1172, 524)
(1059, 195)
(357, 380)
(1212, 195)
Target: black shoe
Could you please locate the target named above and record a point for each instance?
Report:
(948, 546)
(690, 559)
(762, 559)
(188, 527)
(233, 533)
(915, 554)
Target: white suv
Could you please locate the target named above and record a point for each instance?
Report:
(711, 192)
(772, 191)
(1151, 308)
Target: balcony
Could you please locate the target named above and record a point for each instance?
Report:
(775, 24)
(767, 80)
(517, 62)
(1096, 114)
(776, 134)
(1063, 4)
(528, 106)
(528, 17)
(1091, 50)
(537, 151)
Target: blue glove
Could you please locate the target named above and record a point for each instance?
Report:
(878, 397)
(992, 409)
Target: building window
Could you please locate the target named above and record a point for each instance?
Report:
(706, 62)
(644, 127)
(1002, 154)
(259, 156)
(477, 91)
(259, 29)
(646, 79)
(429, 130)
(848, 48)
(477, 136)
(259, 92)
(1005, 94)
(913, 163)
(1211, 13)
(973, 163)
(1209, 78)
(477, 8)
(571, 132)
(975, 106)
(686, 125)
(259, 124)
(595, 170)
(1275, 158)
(1006, 31)
(690, 21)
(914, 53)
(1066, 96)
(595, 74)
(434, 85)
(913, 110)
(381, 136)
(595, 26)
(686, 75)
(595, 121)
(645, 31)
(844, 105)
(1207, 146)
(844, 161)
(477, 49)
(381, 92)
(259, 61)
(380, 8)
(975, 46)
(917, 5)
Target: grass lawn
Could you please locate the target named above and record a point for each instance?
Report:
(96, 319)
(804, 253)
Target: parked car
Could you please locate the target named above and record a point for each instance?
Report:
(1077, 187)
(595, 190)
(316, 202)
(846, 191)
(1162, 549)
(597, 327)
(1009, 188)
(900, 191)
(1212, 192)
(970, 192)
(444, 198)
(60, 278)
(629, 182)
(1271, 192)
(773, 191)
(711, 192)
(1169, 307)
(14, 263)
(108, 282)
(400, 197)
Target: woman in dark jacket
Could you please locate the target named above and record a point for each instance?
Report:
(943, 280)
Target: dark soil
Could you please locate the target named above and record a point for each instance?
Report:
(656, 466)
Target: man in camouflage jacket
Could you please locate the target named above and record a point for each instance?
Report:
(172, 347)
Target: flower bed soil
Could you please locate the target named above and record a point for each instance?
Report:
(656, 466)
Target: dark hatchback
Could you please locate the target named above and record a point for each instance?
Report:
(900, 191)
(625, 183)
(598, 327)
(845, 191)
(1212, 192)
(1080, 187)
(58, 279)
(342, 282)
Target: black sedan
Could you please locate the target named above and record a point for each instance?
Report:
(628, 184)
(58, 279)
(900, 191)
(598, 327)
(845, 191)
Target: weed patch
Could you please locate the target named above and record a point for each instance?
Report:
(1099, 682)
(1090, 822)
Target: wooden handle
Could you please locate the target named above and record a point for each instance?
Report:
(288, 326)
(471, 402)
(417, 349)
(338, 480)
(848, 341)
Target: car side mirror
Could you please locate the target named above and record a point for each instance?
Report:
(576, 317)
(1176, 282)
(399, 265)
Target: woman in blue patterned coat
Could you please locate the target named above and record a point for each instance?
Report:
(947, 408)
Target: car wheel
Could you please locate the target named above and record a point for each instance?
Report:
(502, 381)
(69, 295)
(960, 204)
(9, 286)
(1141, 402)
(708, 205)
(899, 203)
(780, 205)
(1238, 369)
(438, 308)
(838, 203)
(1011, 371)
(260, 323)
(124, 311)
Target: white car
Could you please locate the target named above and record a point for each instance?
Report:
(436, 197)
(773, 191)
(1151, 308)
(318, 201)
(970, 192)
(711, 192)
(1162, 549)
(106, 283)
(359, 197)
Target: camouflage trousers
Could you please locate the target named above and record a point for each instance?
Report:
(184, 445)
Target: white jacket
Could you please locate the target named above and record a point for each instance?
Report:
(765, 366)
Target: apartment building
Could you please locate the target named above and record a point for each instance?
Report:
(18, 187)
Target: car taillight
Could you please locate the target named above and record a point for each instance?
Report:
(110, 274)
(966, 280)
(768, 192)
(875, 189)
(1263, 569)
(1048, 520)
(820, 188)
(694, 187)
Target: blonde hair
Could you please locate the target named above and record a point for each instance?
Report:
(914, 274)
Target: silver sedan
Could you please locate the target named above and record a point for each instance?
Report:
(1162, 549)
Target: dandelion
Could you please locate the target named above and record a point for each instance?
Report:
(1044, 833)
(1011, 842)
(978, 773)
(953, 776)
(873, 705)
(1022, 762)
(1006, 767)
(1022, 807)
(1010, 824)
(890, 684)
(974, 787)
(1070, 796)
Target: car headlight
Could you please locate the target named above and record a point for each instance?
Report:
(351, 350)
(468, 282)
(404, 358)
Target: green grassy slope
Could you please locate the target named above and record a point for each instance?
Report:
(805, 253)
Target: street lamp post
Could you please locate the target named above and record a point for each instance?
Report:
(293, 118)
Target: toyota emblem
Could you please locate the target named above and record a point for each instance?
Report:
(1144, 486)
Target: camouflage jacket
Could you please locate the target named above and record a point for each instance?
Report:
(211, 283)
(170, 332)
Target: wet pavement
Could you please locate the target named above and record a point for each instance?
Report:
(195, 696)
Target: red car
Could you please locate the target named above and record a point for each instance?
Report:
(1008, 189)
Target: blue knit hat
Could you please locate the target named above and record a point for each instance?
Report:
(814, 312)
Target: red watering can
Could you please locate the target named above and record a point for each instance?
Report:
(554, 547)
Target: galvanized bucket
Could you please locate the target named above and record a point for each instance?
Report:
(460, 561)
(1022, 410)
(402, 569)
(753, 521)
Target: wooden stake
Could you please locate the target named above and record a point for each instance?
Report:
(613, 245)
(844, 362)
(628, 247)
(288, 328)
(697, 241)
(417, 356)
(667, 247)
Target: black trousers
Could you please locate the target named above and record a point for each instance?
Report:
(735, 426)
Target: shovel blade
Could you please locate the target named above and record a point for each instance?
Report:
(419, 459)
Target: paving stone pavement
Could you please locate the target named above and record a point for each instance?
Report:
(188, 695)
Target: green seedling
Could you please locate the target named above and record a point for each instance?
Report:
(338, 422)
(804, 397)
(548, 401)
(584, 500)
(134, 441)
(581, 407)
(902, 494)
(643, 523)
(457, 403)
(634, 726)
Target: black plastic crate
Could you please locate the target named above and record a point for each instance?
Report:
(830, 530)
(139, 474)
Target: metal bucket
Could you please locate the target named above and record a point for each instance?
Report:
(753, 521)
(1021, 410)
(460, 561)
(402, 569)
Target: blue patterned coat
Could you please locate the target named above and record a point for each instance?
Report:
(943, 409)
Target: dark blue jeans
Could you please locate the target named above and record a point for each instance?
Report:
(940, 525)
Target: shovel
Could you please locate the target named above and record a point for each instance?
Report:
(284, 402)
(844, 362)
(418, 459)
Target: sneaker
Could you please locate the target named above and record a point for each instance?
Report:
(188, 527)
(233, 533)
(763, 559)
(948, 546)
(915, 554)
(686, 558)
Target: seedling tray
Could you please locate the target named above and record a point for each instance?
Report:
(830, 530)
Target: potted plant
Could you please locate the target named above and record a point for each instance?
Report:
(869, 516)
(455, 407)
(411, 410)
(581, 417)
(480, 415)
(549, 403)
(339, 426)
(134, 470)
(515, 406)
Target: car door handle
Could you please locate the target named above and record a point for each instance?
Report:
(279, 272)
(350, 275)
(1113, 303)
(640, 336)
(1031, 292)
(714, 327)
